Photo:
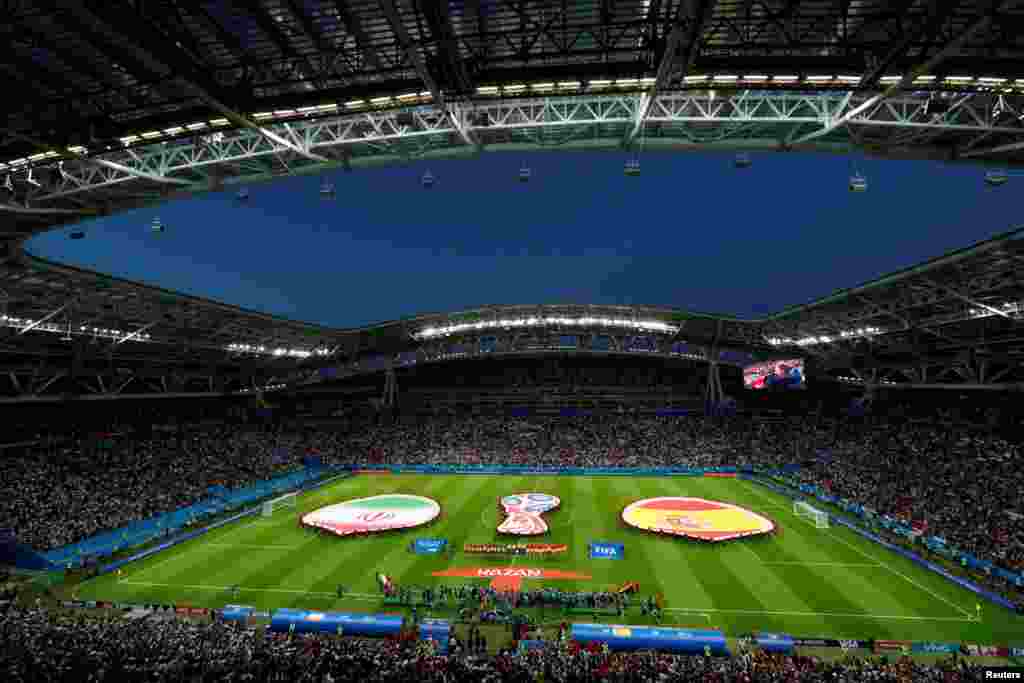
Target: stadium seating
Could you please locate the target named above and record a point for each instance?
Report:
(56, 647)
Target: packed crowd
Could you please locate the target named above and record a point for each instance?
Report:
(75, 492)
(621, 440)
(959, 485)
(47, 646)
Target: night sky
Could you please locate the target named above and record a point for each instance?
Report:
(692, 232)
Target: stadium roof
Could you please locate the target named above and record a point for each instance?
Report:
(118, 104)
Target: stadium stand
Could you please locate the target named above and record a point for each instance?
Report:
(53, 647)
(956, 485)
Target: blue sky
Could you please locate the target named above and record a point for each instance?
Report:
(692, 232)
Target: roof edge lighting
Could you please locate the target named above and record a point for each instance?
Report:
(545, 321)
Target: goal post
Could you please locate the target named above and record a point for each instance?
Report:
(807, 511)
(288, 500)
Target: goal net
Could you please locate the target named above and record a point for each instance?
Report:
(810, 513)
(288, 500)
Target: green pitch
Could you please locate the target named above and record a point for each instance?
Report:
(801, 580)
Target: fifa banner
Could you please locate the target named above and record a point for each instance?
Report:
(775, 642)
(832, 642)
(341, 623)
(600, 550)
(1017, 651)
(437, 631)
(429, 546)
(632, 638)
(935, 648)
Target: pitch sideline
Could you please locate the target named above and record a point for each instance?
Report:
(906, 578)
(862, 615)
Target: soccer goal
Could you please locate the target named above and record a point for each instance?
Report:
(288, 500)
(806, 511)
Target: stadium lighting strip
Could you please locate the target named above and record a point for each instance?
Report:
(1012, 309)
(83, 330)
(839, 81)
(267, 387)
(278, 352)
(506, 323)
(860, 332)
(857, 380)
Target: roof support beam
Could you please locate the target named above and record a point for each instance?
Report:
(307, 26)
(136, 333)
(990, 151)
(968, 300)
(33, 211)
(679, 36)
(354, 29)
(938, 11)
(157, 48)
(413, 53)
(36, 323)
(908, 78)
(136, 172)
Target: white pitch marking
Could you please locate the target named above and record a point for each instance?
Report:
(827, 564)
(359, 596)
(253, 546)
(906, 578)
(702, 610)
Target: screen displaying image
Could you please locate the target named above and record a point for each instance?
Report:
(775, 373)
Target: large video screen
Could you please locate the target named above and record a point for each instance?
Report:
(788, 374)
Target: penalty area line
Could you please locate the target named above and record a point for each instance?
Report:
(850, 615)
(903, 576)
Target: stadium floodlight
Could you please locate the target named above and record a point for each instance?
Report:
(278, 352)
(549, 321)
(996, 178)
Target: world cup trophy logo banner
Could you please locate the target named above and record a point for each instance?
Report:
(523, 513)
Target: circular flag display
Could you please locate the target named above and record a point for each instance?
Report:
(377, 513)
(707, 520)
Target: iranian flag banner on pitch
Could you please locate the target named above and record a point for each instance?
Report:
(377, 513)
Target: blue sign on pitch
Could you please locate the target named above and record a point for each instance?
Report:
(607, 551)
(429, 546)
